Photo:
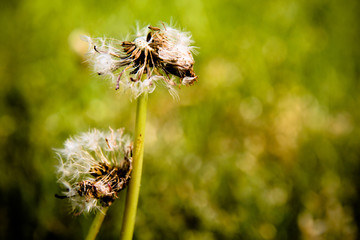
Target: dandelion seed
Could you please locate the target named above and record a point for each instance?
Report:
(93, 167)
(155, 54)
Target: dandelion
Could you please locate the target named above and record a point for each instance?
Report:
(93, 167)
(156, 54)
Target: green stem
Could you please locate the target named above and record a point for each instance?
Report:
(133, 191)
(96, 224)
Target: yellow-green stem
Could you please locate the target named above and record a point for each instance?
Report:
(96, 224)
(133, 190)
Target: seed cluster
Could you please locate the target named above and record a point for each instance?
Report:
(94, 167)
(158, 53)
(109, 180)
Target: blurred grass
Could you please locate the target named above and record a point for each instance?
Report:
(264, 146)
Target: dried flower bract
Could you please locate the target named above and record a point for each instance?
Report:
(155, 54)
(94, 166)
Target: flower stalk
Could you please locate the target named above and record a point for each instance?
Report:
(133, 190)
(96, 224)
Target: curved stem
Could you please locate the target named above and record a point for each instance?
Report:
(133, 190)
(96, 224)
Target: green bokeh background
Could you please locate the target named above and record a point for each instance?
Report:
(265, 146)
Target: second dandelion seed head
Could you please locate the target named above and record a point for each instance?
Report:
(93, 167)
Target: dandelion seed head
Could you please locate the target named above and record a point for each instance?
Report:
(92, 168)
(162, 53)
